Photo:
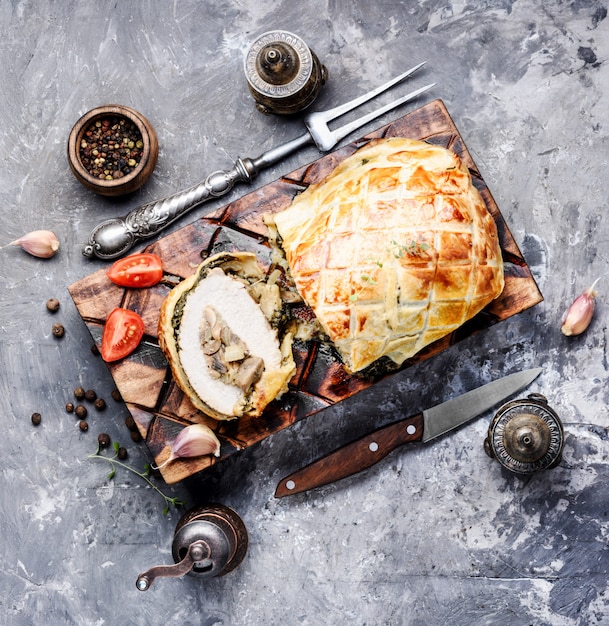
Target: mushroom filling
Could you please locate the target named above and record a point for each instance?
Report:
(237, 325)
(226, 355)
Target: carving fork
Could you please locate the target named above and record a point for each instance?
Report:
(113, 238)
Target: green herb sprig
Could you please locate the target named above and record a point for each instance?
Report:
(413, 248)
(114, 462)
(398, 250)
(366, 280)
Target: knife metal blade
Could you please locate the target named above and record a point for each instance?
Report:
(431, 423)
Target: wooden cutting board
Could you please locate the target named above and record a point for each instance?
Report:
(159, 407)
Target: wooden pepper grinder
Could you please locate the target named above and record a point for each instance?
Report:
(284, 75)
(525, 436)
(209, 541)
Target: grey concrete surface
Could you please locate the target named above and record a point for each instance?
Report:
(435, 535)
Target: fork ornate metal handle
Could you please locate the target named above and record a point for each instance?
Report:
(116, 236)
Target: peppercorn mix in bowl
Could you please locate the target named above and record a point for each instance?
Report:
(112, 150)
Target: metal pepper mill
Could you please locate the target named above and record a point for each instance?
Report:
(209, 541)
(284, 75)
(526, 436)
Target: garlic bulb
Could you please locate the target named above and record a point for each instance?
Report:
(579, 315)
(40, 243)
(194, 440)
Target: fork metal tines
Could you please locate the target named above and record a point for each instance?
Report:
(317, 122)
(114, 237)
(318, 131)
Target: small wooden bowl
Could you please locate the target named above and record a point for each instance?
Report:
(138, 175)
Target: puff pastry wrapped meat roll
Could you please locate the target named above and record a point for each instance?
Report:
(222, 332)
(393, 250)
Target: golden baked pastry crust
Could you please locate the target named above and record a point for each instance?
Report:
(393, 250)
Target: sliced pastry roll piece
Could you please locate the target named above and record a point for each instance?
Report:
(221, 332)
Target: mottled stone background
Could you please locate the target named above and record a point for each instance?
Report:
(434, 535)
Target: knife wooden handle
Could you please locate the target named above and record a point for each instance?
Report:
(353, 457)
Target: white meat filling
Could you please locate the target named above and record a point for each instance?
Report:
(245, 319)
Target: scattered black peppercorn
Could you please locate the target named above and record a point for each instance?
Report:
(130, 423)
(103, 440)
(81, 411)
(79, 393)
(36, 419)
(116, 395)
(90, 395)
(69, 408)
(100, 404)
(135, 436)
(83, 426)
(53, 305)
(58, 330)
(122, 453)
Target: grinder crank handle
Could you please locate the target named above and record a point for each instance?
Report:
(197, 551)
(114, 237)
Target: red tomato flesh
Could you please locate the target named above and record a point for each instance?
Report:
(138, 270)
(122, 334)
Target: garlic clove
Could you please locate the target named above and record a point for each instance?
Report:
(578, 316)
(39, 243)
(192, 441)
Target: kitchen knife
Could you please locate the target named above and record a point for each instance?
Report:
(431, 423)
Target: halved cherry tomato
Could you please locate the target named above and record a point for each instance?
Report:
(122, 334)
(138, 270)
